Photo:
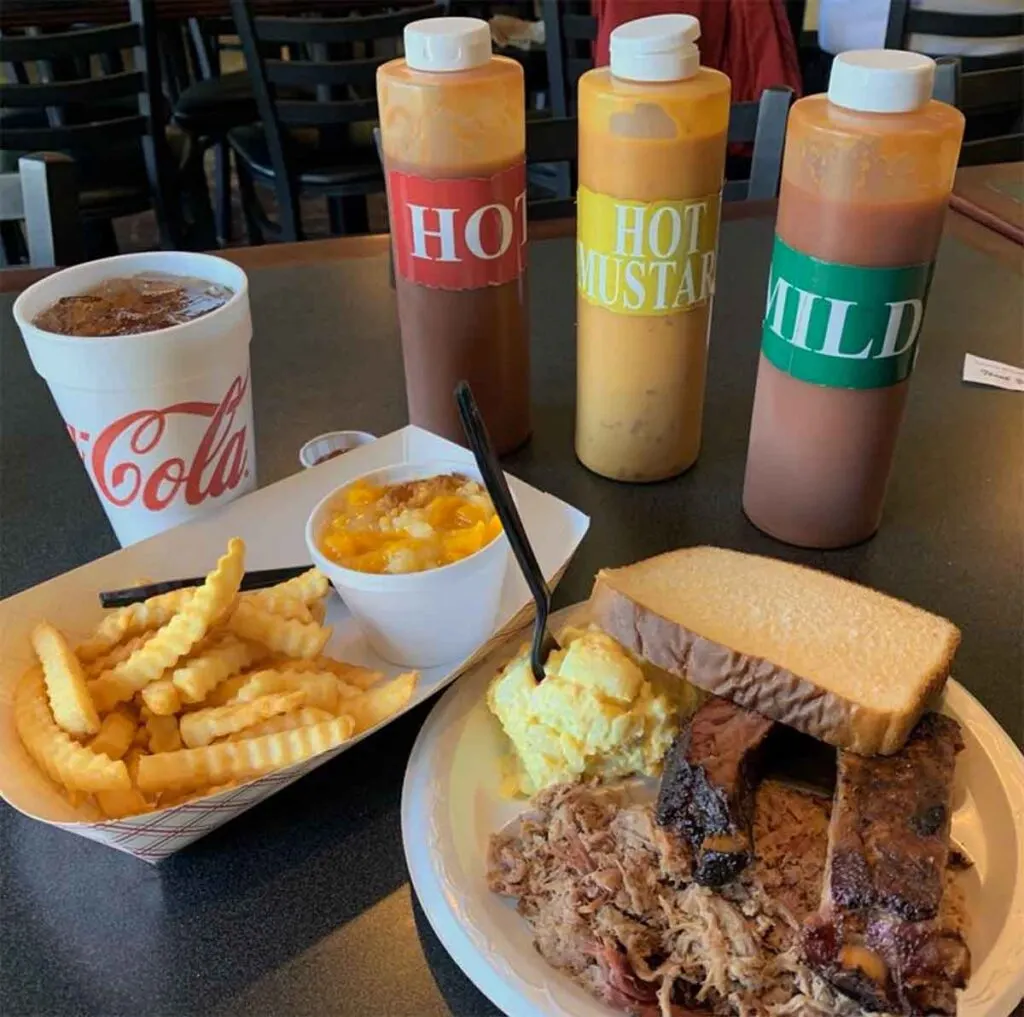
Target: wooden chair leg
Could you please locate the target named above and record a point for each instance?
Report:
(222, 193)
(247, 191)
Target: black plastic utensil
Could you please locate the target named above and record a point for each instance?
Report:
(258, 579)
(497, 487)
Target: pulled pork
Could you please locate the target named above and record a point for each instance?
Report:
(610, 897)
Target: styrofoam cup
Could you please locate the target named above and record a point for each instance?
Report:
(162, 420)
(419, 619)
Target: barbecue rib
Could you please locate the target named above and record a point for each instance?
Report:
(707, 791)
(879, 936)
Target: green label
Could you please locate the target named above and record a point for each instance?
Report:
(840, 325)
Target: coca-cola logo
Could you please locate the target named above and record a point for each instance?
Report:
(459, 233)
(219, 464)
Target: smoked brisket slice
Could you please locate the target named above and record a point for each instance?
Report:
(878, 935)
(707, 791)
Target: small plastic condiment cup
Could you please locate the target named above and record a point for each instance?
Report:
(418, 619)
(331, 444)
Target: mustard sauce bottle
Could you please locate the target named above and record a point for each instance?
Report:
(652, 139)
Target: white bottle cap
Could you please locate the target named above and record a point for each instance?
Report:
(447, 44)
(659, 48)
(881, 80)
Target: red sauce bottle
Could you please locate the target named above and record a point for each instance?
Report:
(453, 128)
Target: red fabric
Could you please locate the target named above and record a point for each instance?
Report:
(750, 40)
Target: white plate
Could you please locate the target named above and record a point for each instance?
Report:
(272, 523)
(451, 805)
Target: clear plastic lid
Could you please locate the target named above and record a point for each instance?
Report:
(881, 80)
(659, 48)
(447, 44)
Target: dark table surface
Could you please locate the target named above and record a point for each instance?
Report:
(302, 905)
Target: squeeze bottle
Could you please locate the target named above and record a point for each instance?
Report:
(453, 131)
(866, 178)
(652, 141)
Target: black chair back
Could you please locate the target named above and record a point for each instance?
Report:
(335, 86)
(569, 33)
(761, 124)
(84, 111)
(981, 90)
(906, 20)
(328, 84)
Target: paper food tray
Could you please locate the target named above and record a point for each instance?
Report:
(271, 522)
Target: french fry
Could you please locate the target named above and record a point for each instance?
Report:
(382, 701)
(309, 586)
(172, 642)
(117, 731)
(276, 603)
(164, 735)
(131, 761)
(321, 690)
(57, 755)
(162, 697)
(121, 803)
(108, 690)
(226, 691)
(285, 722)
(282, 635)
(72, 706)
(193, 692)
(203, 726)
(131, 621)
(196, 677)
(122, 651)
(242, 760)
(350, 674)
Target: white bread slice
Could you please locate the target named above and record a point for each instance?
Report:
(841, 662)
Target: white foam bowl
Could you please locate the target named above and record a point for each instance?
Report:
(418, 619)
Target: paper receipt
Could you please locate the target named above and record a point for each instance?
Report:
(992, 372)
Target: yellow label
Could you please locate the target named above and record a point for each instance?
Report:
(646, 257)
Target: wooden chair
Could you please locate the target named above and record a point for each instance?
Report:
(80, 100)
(305, 143)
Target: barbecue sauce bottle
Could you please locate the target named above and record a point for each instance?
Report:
(453, 132)
(652, 156)
(865, 180)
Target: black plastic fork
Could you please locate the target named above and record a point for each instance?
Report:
(497, 487)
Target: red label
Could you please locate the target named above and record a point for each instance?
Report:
(218, 465)
(459, 233)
